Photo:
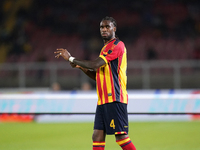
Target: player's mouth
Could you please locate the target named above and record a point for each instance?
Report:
(104, 34)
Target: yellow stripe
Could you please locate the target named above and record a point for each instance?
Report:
(108, 80)
(99, 143)
(123, 141)
(101, 76)
(108, 83)
(99, 99)
(122, 75)
(120, 132)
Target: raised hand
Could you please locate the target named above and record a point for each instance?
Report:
(62, 52)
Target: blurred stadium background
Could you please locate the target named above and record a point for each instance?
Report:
(162, 39)
(163, 46)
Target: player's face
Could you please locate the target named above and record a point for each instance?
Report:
(107, 30)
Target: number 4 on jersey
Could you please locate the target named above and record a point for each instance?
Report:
(112, 124)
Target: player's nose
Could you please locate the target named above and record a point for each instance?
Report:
(104, 29)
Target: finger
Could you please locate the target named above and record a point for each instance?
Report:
(57, 56)
(57, 52)
(60, 49)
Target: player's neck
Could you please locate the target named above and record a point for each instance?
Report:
(108, 40)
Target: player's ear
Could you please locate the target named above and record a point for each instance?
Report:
(115, 29)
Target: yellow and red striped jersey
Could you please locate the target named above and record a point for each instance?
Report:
(111, 78)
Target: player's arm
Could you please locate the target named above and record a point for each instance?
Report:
(90, 67)
(93, 65)
(88, 72)
(86, 66)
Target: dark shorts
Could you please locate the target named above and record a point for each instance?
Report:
(112, 118)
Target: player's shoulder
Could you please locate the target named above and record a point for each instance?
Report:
(115, 44)
(118, 42)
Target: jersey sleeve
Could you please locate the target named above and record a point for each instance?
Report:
(112, 51)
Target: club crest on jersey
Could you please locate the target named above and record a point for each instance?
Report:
(113, 46)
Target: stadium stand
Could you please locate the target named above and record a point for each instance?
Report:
(28, 27)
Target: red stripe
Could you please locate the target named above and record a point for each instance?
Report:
(99, 86)
(121, 92)
(105, 89)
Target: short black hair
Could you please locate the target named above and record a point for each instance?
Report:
(111, 19)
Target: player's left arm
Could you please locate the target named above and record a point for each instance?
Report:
(88, 72)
